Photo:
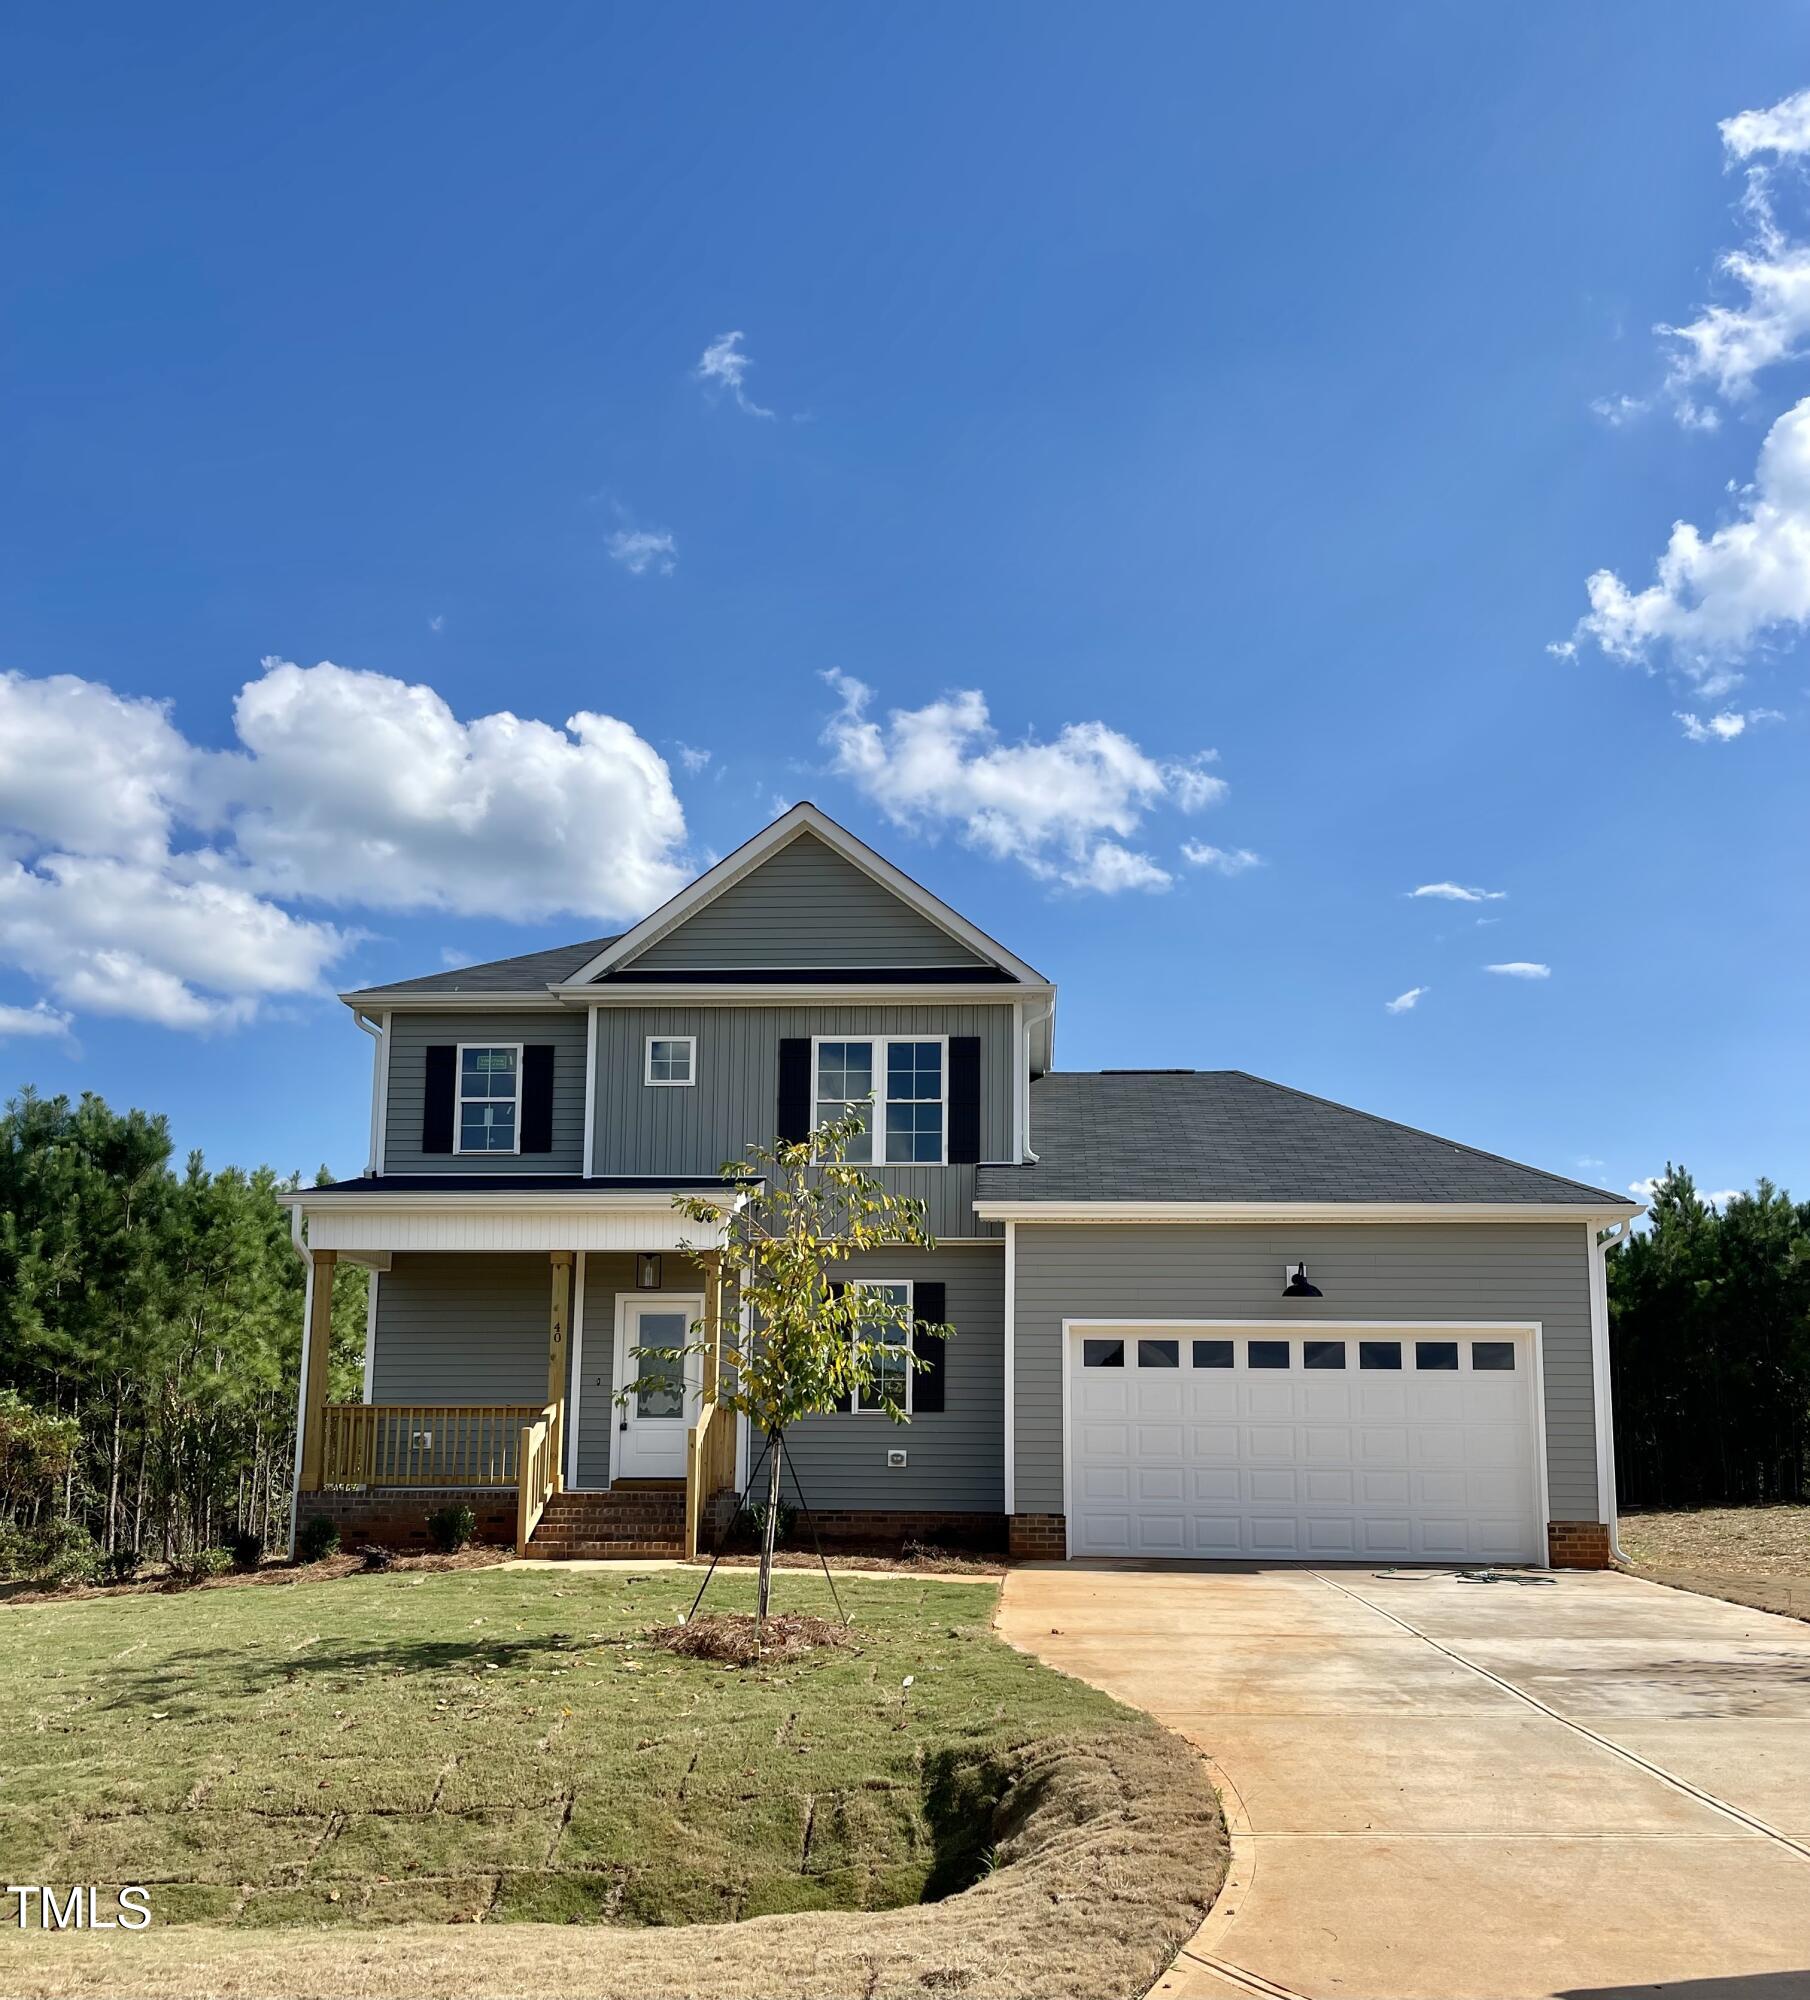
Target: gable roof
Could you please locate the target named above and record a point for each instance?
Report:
(1212, 1136)
(801, 821)
(528, 973)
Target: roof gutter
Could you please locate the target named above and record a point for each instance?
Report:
(1303, 1211)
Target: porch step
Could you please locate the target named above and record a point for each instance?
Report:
(646, 1518)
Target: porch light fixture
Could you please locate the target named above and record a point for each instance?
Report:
(1297, 1286)
(647, 1271)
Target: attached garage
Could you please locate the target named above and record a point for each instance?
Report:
(1409, 1442)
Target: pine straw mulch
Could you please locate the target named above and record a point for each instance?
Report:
(1758, 1556)
(157, 1583)
(914, 1559)
(732, 1638)
(1107, 1850)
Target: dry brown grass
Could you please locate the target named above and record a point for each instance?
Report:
(1109, 1848)
(734, 1639)
(1753, 1555)
(163, 1582)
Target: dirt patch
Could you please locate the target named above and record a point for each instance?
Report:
(733, 1639)
(1758, 1556)
(162, 1582)
(1091, 1860)
(914, 1559)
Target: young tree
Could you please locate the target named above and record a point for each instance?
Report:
(816, 1340)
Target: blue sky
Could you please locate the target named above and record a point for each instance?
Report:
(1193, 429)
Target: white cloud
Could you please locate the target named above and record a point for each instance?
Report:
(1521, 968)
(1721, 1197)
(725, 367)
(694, 760)
(1728, 346)
(437, 623)
(1588, 1163)
(1717, 598)
(38, 1021)
(639, 550)
(1063, 809)
(1616, 411)
(1405, 1003)
(1723, 728)
(1457, 892)
(161, 891)
(1223, 860)
(1644, 1190)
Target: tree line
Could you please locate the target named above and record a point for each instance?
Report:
(150, 1339)
(1710, 1349)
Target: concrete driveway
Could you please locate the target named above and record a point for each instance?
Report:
(1569, 1785)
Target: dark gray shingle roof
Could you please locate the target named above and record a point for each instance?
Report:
(1222, 1135)
(500, 975)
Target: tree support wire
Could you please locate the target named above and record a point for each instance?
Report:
(726, 1528)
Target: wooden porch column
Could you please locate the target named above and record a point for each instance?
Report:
(559, 1340)
(712, 1261)
(320, 1347)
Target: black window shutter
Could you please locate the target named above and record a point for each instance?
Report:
(537, 1097)
(793, 1122)
(439, 1088)
(837, 1288)
(929, 1308)
(964, 1100)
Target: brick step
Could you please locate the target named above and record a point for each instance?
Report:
(595, 1551)
(605, 1516)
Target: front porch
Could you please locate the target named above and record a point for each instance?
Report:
(493, 1371)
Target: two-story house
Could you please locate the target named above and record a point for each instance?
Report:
(1196, 1314)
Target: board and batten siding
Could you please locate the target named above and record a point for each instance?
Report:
(647, 1128)
(458, 1327)
(1377, 1271)
(955, 1457)
(411, 1035)
(805, 906)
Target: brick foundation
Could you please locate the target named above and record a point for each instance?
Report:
(1577, 1544)
(1038, 1537)
(399, 1520)
(887, 1530)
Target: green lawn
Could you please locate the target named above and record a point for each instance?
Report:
(427, 1747)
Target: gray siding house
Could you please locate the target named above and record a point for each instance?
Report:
(1197, 1315)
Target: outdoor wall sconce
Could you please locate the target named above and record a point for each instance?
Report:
(647, 1271)
(1297, 1286)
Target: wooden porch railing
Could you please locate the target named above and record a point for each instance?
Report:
(537, 1476)
(421, 1444)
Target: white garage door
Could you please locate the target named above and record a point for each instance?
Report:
(1409, 1443)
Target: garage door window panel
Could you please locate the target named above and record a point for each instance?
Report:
(1267, 1354)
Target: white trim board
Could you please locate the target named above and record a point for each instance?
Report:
(800, 819)
(1306, 1329)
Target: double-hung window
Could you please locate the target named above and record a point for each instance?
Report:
(902, 1083)
(490, 1098)
(891, 1378)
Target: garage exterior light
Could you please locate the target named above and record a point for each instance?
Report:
(1297, 1286)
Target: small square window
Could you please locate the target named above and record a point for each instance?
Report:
(1159, 1354)
(1267, 1354)
(672, 1059)
(1493, 1354)
(1322, 1354)
(1102, 1354)
(1212, 1354)
(1379, 1353)
(1439, 1354)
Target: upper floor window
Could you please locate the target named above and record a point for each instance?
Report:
(672, 1059)
(490, 1098)
(906, 1079)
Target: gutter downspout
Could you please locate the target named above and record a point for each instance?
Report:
(1601, 1243)
(375, 1029)
(1033, 1020)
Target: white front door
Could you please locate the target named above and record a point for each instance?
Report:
(1403, 1443)
(651, 1424)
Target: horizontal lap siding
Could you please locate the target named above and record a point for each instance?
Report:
(410, 1037)
(462, 1329)
(805, 907)
(1504, 1271)
(647, 1128)
(956, 1455)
